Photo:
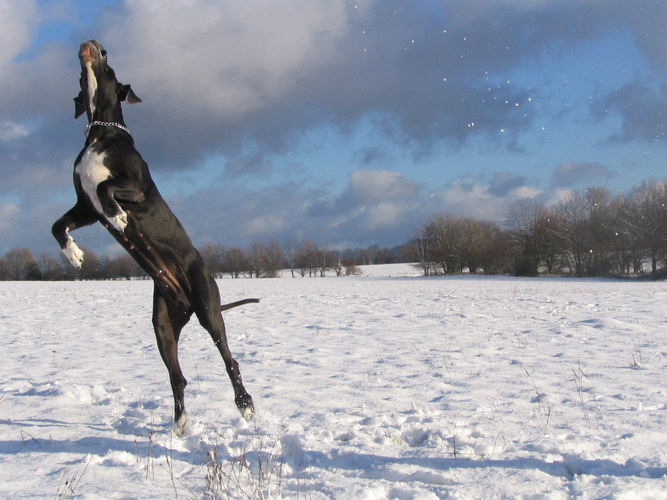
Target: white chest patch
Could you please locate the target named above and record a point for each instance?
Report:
(91, 172)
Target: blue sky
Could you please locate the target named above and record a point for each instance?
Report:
(346, 123)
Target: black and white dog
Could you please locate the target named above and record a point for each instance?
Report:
(113, 186)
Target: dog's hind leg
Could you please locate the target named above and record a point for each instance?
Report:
(207, 309)
(167, 331)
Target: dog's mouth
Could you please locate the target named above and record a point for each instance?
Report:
(91, 51)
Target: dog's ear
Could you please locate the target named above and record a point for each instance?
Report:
(125, 94)
(79, 107)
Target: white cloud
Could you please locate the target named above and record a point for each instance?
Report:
(387, 214)
(222, 58)
(33, 71)
(374, 186)
(16, 22)
(8, 213)
(10, 131)
(525, 193)
(261, 225)
(475, 198)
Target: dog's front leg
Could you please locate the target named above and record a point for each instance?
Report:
(80, 215)
(112, 190)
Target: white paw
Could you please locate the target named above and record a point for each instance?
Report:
(119, 222)
(181, 427)
(73, 253)
(247, 413)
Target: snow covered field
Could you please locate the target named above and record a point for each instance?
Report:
(380, 386)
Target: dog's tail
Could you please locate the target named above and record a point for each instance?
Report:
(225, 307)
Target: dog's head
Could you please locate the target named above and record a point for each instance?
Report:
(101, 94)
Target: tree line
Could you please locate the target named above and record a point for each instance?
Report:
(259, 259)
(589, 233)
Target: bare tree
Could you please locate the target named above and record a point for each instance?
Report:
(91, 268)
(20, 264)
(49, 269)
(549, 240)
(236, 262)
(573, 217)
(369, 255)
(421, 255)
(274, 259)
(451, 244)
(350, 266)
(256, 253)
(477, 237)
(443, 236)
(123, 267)
(628, 247)
(68, 271)
(497, 257)
(645, 212)
(213, 256)
(523, 223)
(291, 254)
(598, 207)
(4, 270)
(325, 260)
(308, 258)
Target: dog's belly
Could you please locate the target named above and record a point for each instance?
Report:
(91, 172)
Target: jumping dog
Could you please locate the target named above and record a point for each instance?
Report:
(113, 186)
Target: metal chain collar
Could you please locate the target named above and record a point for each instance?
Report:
(104, 124)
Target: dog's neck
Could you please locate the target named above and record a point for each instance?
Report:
(98, 123)
(105, 116)
(100, 115)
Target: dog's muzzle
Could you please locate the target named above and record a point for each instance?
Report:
(90, 51)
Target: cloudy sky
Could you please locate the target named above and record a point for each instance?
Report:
(343, 122)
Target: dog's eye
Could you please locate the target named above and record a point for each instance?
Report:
(104, 53)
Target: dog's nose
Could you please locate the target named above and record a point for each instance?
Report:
(86, 52)
(90, 51)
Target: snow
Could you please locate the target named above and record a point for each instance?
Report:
(384, 385)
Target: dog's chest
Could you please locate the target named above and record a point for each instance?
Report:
(91, 172)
